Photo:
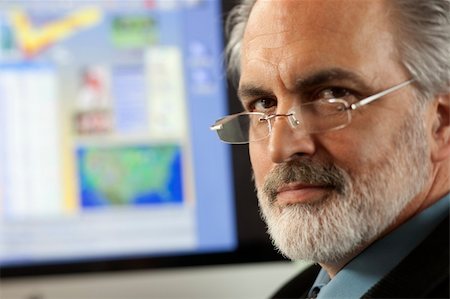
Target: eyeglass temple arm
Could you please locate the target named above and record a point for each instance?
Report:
(216, 127)
(379, 95)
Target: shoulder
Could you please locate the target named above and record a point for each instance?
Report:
(424, 273)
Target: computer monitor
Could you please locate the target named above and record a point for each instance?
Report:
(106, 157)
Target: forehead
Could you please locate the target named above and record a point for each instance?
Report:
(294, 36)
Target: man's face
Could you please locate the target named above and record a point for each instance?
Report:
(324, 195)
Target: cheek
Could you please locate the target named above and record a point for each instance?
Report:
(356, 151)
(261, 163)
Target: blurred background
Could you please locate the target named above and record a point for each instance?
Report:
(111, 183)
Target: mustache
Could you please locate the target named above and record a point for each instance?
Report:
(305, 171)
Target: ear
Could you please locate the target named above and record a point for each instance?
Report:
(441, 128)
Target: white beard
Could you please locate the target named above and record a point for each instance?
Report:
(330, 229)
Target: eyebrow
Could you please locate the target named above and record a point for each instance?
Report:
(328, 75)
(250, 90)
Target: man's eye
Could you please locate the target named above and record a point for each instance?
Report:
(263, 105)
(335, 93)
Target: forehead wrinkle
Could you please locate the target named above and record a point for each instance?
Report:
(265, 56)
(278, 37)
(270, 50)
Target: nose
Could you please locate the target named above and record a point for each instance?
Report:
(287, 142)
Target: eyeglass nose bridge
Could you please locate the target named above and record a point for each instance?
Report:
(293, 121)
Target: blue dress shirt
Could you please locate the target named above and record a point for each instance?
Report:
(371, 265)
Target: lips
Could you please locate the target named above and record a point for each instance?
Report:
(296, 193)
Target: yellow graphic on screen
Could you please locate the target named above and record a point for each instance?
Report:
(33, 40)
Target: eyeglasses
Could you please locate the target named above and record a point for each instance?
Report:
(320, 116)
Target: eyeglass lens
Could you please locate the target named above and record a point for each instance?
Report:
(314, 117)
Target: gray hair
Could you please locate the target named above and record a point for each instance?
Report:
(423, 36)
(234, 28)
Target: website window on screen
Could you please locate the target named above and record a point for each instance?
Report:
(105, 149)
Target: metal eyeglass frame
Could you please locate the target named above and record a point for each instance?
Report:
(294, 122)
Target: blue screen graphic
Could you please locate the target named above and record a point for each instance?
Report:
(105, 108)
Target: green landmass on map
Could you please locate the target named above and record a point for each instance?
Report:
(122, 175)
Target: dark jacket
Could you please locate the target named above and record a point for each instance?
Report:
(424, 273)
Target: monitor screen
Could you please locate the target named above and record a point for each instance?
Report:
(105, 147)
